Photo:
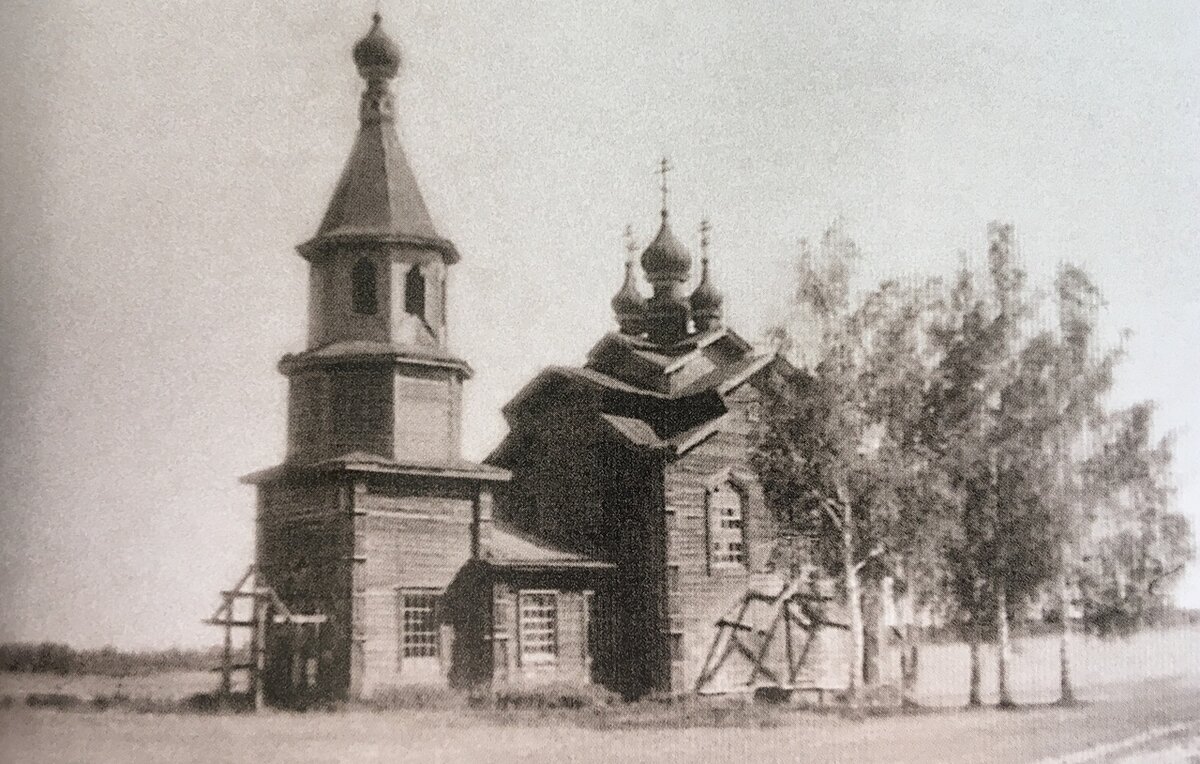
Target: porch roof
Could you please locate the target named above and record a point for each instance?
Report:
(510, 548)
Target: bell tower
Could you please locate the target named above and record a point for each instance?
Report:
(377, 376)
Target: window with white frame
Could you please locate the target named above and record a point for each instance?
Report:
(537, 625)
(726, 519)
(419, 620)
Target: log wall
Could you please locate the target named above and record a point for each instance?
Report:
(410, 536)
(700, 589)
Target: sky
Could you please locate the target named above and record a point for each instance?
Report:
(160, 161)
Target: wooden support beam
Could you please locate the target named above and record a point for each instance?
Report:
(299, 620)
(746, 651)
(227, 657)
(260, 651)
(764, 648)
(734, 625)
(787, 638)
(707, 669)
(234, 666)
(794, 669)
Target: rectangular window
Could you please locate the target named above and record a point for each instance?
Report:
(731, 517)
(726, 506)
(538, 627)
(419, 618)
(728, 552)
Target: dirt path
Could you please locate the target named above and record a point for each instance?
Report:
(1116, 712)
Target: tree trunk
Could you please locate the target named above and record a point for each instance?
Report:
(853, 612)
(1005, 698)
(974, 697)
(910, 653)
(874, 639)
(909, 670)
(1066, 692)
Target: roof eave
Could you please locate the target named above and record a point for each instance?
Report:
(539, 565)
(320, 244)
(293, 362)
(487, 474)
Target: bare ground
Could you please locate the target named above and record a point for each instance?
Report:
(1129, 688)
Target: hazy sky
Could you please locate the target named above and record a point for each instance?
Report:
(160, 160)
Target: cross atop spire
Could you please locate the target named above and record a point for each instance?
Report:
(664, 167)
(631, 245)
(705, 228)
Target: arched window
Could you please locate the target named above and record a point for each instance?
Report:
(726, 524)
(414, 292)
(363, 294)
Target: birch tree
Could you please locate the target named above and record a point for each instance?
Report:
(839, 461)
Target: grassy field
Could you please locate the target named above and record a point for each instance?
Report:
(1149, 682)
(166, 686)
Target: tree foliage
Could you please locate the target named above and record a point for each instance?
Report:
(947, 435)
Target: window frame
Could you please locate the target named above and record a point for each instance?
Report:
(726, 546)
(416, 292)
(430, 643)
(544, 658)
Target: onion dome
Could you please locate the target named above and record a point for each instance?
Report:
(629, 305)
(666, 259)
(376, 55)
(707, 301)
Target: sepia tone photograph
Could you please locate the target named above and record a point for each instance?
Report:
(648, 380)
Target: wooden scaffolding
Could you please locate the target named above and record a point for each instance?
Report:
(794, 615)
(265, 609)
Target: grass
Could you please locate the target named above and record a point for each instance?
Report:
(942, 684)
(691, 731)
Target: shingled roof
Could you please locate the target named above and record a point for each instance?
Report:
(646, 395)
(378, 198)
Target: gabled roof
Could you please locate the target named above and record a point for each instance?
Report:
(510, 548)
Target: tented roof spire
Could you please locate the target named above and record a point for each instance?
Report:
(377, 198)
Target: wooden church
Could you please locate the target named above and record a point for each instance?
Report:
(604, 540)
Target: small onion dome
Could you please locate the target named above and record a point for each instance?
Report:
(628, 304)
(706, 301)
(666, 258)
(376, 55)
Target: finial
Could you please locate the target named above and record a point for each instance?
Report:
(664, 167)
(377, 57)
(706, 301)
(631, 245)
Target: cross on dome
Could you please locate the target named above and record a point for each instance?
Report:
(664, 167)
